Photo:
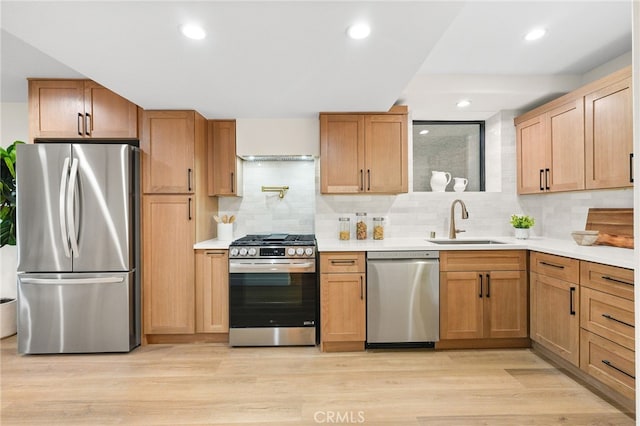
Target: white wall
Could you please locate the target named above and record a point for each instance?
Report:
(13, 126)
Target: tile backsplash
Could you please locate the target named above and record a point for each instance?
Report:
(415, 214)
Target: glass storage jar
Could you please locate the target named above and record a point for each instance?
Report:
(361, 226)
(344, 228)
(378, 228)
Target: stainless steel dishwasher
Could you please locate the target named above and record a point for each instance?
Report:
(403, 298)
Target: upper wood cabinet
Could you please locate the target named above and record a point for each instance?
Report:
(580, 140)
(551, 150)
(79, 109)
(609, 136)
(224, 168)
(168, 151)
(364, 153)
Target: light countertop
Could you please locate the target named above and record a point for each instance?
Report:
(600, 254)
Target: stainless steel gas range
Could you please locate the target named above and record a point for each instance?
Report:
(273, 291)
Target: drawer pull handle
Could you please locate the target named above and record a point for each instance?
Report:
(480, 290)
(572, 292)
(343, 262)
(552, 265)
(608, 278)
(214, 253)
(361, 289)
(607, 316)
(609, 364)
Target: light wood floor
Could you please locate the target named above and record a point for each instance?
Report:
(214, 384)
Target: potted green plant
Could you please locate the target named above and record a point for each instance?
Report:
(8, 236)
(521, 224)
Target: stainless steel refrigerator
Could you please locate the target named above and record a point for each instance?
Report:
(78, 214)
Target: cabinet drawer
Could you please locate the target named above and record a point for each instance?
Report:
(608, 316)
(483, 260)
(342, 262)
(609, 279)
(560, 267)
(608, 362)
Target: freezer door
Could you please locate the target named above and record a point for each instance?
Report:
(102, 224)
(76, 313)
(42, 173)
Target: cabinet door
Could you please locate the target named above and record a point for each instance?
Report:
(107, 114)
(565, 147)
(168, 264)
(341, 153)
(168, 146)
(461, 306)
(609, 136)
(385, 153)
(221, 167)
(505, 309)
(343, 307)
(530, 147)
(556, 316)
(212, 291)
(56, 108)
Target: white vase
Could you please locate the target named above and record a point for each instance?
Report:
(522, 233)
(460, 184)
(8, 318)
(439, 181)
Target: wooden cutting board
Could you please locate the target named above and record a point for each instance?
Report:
(615, 226)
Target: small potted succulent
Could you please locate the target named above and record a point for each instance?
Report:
(521, 224)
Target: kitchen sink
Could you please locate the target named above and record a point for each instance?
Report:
(465, 242)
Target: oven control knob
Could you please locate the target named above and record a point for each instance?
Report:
(300, 251)
(234, 252)
(252, 252)
(291, 251)
(308, 251)
(243, 252)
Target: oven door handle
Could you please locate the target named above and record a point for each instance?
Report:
(271, 267)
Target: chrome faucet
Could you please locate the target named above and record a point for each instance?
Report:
(452, 224)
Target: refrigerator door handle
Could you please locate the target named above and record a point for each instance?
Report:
(71, 219)
(105, 280)
(63, 217)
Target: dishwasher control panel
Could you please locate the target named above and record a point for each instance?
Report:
(414, 254)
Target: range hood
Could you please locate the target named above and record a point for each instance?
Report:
(278, 139)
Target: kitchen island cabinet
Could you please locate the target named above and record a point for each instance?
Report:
(364, 153)
(79, 109)
(483, 298)
(343, 304)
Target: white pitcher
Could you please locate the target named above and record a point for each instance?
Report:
(439, 181)
(460, 184)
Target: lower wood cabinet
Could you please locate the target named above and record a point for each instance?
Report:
(483, 295)
(168, 275)
(212, 291)
(555, 306)
(343, 304)
(607, 321)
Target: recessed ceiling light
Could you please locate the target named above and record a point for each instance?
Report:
(424, 132)
(535, 34)
(359, 31)
(463, 103)
(193, 31)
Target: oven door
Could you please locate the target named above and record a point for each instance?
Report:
(272, 293)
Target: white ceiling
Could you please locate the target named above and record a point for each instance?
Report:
(269, 59)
